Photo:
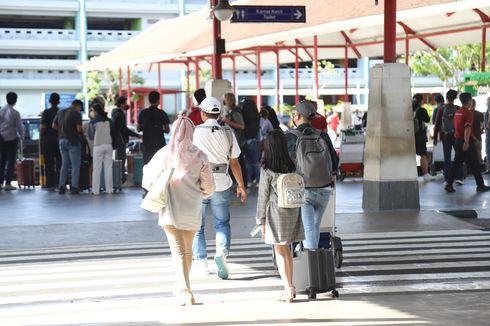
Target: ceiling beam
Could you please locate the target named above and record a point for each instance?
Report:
(410, 31)
(349, 42)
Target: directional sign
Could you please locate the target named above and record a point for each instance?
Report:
(269, 14)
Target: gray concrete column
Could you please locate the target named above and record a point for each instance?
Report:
(390, 168)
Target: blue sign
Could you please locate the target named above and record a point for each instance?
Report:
(65, 100)
(269, 14)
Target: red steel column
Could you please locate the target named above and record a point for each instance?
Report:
(315, 66)
(234, 73)
(188, 90)
(278, 81)
(259, 81)
(216, 58)
(346, 73)
(296, 73)
(160, 85)
(407, 49)
(483, 48)
(390, 31)
(120, 82)
(196, 63)
(129, 96)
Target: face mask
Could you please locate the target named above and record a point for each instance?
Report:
(92, 114)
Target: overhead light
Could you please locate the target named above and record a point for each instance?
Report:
(223, 11)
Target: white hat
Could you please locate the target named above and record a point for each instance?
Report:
(210, 105)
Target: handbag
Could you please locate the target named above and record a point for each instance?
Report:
(157, 197)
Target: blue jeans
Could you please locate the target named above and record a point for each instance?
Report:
(252, 158)
(448, 146)
(312, 213)
(70, 155)
(220, 207)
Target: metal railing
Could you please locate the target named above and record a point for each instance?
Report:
(38, 74)
(110, 36)
(38, 34)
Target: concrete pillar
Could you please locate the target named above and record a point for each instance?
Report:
(390, 168)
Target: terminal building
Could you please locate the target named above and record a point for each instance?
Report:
(42, 42)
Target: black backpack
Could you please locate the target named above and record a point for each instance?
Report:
(251, 118)
(448, 112)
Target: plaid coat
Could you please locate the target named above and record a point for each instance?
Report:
(283, 225)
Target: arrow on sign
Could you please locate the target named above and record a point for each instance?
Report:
(298, 14)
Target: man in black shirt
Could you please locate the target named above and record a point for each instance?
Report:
(49, 143)
(153, 122)
(121, 132)
(68, 123)
(421, 117)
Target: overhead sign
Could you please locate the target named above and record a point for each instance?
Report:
(269, 14)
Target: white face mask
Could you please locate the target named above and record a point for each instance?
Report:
(92, 114)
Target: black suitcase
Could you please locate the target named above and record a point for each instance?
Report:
(85, 176)
(314, 272)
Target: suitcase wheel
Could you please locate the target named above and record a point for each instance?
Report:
(311, 293)
(335, 294)
(338, 257)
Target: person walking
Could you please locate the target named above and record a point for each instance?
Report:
(194, 113)
(234, 119)
(100, 132)
(68, 123)
(280, 226)
(11, 131)
(478, 119)
(444, 131)
(154, 123)
(265, 124)
(487, 135)
(221, 147)
(318, 181)
(251, 117)
(192, 180)
(50, 144)
(121, 132)
(465, 145)
(421, 117)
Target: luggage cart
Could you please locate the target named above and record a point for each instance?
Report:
(351, 158)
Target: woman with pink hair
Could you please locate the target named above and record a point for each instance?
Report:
(192, 180)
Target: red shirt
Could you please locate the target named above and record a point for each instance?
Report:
(462, 118)
(195, 116)
(319, 122)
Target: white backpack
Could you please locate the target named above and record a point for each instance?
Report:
(290, 190)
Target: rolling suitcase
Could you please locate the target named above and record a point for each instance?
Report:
(24, 169)
(85, 176)
(314, 272)
(138, 169)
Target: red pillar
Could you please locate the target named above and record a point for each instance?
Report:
(196, 63)
(188, 90)
(390, 31)
(483, 48)
(233, 61)
(160, 85)
(407, 49)
(120, 82)
(278, 81)
(259, 81)
(296, 73)
(129, 96)
(346, 73)
(315, 65)
(216, 58)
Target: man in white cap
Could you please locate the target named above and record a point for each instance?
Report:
(220, 145)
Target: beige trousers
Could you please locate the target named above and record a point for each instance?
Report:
(180, 242)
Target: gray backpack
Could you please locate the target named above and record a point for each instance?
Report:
(313, 159)
(448, 118)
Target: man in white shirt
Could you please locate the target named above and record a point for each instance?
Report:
(220, 145)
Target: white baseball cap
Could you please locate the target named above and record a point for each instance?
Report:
(210, 105)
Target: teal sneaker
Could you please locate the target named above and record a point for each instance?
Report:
(222, 268)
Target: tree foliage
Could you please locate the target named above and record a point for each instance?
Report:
(449, 64)
(106, 85)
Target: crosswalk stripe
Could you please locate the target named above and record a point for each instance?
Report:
(373, 263)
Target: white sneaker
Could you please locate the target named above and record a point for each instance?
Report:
(428, 177)
(459, 182)
(222, 267)
(200, 267)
